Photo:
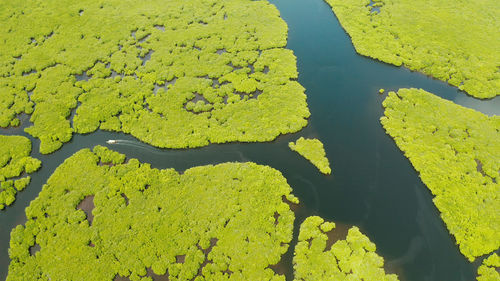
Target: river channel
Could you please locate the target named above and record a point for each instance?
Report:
(372, 186)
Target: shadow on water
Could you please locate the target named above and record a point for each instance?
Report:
(372, 186)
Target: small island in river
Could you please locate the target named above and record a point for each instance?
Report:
(312, 150)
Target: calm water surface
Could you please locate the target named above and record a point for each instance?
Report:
(372, 186)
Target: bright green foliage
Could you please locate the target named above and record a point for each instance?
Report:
(12, 103)
(456, 150)
(15, 163)
(108, 156)
(221, 222)
(454, 41)
(489, 270)
(351, 259)
(173, 74)
(312, 150)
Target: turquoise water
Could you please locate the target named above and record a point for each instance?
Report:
(372, 185)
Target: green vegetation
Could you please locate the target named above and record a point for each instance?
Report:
(351, 259)
(456, 150)
(209, 223)
(15, 162)
(489, 270)
(312, 150)
(177, 74)
(454, 41)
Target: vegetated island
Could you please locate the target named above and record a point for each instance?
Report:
(489, 269)
(15, 164)
(454, 41)
(352, 258)
(456, 150)
(104, 217)
(173, 74)
(312, 150)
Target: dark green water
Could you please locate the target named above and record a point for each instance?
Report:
(373, 185)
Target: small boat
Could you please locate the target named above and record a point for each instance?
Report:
(111, 141)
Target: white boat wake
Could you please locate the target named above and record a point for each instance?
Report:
(137, 144)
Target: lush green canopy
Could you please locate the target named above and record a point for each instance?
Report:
(489, 270)
(312, 150)
(96, 219)
(352, 258)
(454, 41)
(173, 74)
(456, 150)
(15, 163)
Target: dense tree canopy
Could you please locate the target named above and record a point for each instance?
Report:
(312, 150)
(490, 269)
(15, 164)
(352, 258)
(173, 74)
(99, 217)
(454, 41)
(456, 150)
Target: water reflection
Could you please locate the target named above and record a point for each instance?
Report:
(490, 107)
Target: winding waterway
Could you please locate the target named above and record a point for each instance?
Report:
(372, 184)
